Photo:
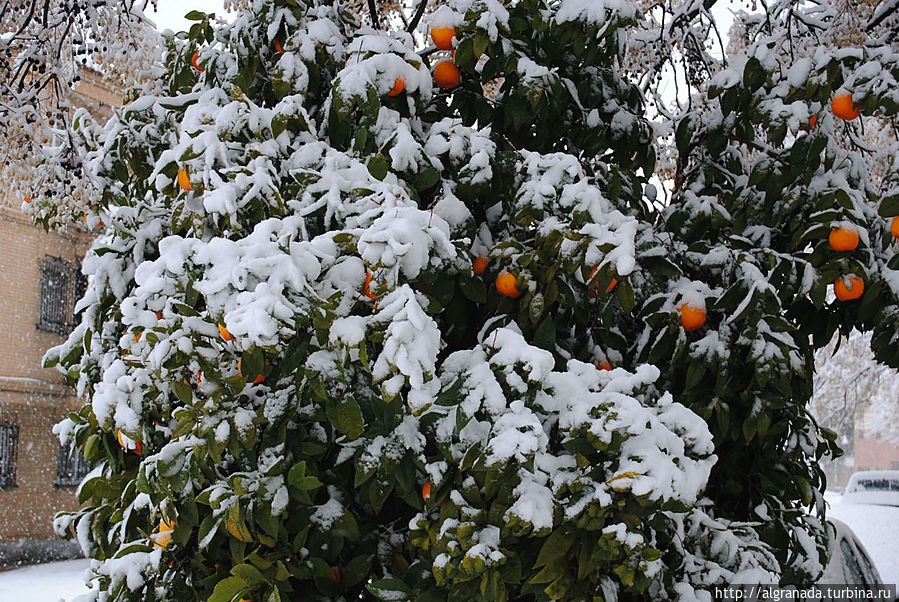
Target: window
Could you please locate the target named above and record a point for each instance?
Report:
(71, 467)
(61, 285)
(9, 439)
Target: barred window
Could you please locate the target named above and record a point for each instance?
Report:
(61, 285)
(9, 443)
(71, 467)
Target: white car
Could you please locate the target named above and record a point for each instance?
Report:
(849, 561)
(870, 508)
(880, 487)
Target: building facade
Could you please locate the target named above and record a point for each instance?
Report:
(40, 280)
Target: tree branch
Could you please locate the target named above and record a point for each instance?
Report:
(877, 19)
(418, 14)
(373, 9)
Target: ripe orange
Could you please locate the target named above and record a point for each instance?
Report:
(842, 106)
(812, 121)
(366, 289)
(426, 491)
(137, 336)
(398, 87)
(443, 37)
(447, 75)
(894, 227)
(194, 60)
(603, 365)
(27, 199)
(226, 336)
(278, 46)
(847, 293)
(479, 265)
(843, 239)
(691, 318)
(594, 292)
(129, 444)
(183, 179)
(505, 284)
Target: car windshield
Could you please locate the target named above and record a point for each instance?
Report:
(877, 484)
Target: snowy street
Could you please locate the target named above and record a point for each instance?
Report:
(50, 582)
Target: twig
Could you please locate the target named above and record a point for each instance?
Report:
(418, 14)
(373, 9)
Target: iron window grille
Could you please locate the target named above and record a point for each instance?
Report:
(9, 443)
(71, 467)
(61, 285)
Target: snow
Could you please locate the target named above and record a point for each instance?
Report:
(50, 582)
(877, 527)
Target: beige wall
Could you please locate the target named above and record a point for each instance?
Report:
(872, 453)
(31, 397)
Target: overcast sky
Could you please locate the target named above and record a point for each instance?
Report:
(170, 13)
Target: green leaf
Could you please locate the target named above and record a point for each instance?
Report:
(481, 41)
(195, 15)
(347, 417)
(473, 288)
(554, 548)
(248, 573)
(389, 589)
(626, 296)
(889, 206)
(535, 307)
(227, 589)
(377, 167)
(183, 392)
(753, 74)
(545, 337)
(308, 483)
(683, 135)
(426, 179)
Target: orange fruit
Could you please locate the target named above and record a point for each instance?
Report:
(127, 443)
(27, 199)
(812, 121)
(603, 365)
(443, 37)
(479, 265)
(848, 293)
(894, 227)
(398, 87)
(137, 336)
(691, 318)
(843, 239)
(447, 75)
(366, 289)
(335, 574)
(505, 284)
(194, 60)
(426, 491)
(842, 107)
(278, 46)
(226, 336)
(594, 292)
(183, 179)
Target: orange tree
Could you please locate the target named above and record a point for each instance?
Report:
(329, 401)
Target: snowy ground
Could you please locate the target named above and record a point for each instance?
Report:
(878, 529)
(49, 582)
